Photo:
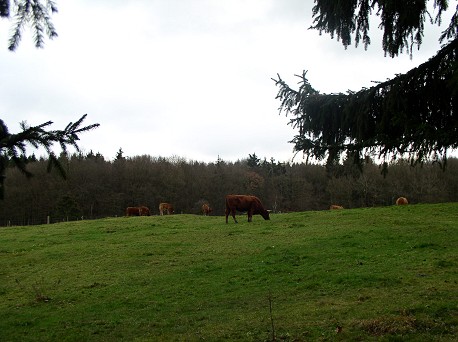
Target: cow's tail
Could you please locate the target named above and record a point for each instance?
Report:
(226, 203)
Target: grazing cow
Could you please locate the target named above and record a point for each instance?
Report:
(402, 201)
(335, 206)
(144, 211)
(132, 211)
(206, 210)
(250, 204)
(165, 208)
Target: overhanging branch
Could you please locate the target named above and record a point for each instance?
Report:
(414, 114)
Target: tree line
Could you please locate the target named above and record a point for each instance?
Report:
(97, 188)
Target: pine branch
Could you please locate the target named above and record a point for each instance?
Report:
(13, 146)
(413, 114)
(452, 29)
(402, 22)
(37, 15)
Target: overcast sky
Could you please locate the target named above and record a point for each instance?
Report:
(183, 78)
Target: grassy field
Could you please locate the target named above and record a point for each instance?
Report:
(374, 274)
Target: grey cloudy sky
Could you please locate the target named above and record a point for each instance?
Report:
(183, 78)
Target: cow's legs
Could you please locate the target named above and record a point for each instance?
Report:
(232, 212)
(250, 215)
(227, 214)
(233, 215)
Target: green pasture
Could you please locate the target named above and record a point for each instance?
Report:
(373, 274)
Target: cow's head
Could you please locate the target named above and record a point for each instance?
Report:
(265, 214)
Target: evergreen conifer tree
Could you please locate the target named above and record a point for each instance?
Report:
(412, 115)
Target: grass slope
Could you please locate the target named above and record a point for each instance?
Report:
(362, 274)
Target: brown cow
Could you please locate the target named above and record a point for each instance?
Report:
(144, 211)
(335, 206)
(132, 211)
(206, 210)
(402, 201)
(251, 204)
(165, 208)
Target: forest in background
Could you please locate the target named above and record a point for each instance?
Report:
(97, 188)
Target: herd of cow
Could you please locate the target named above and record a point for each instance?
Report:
(242, 203)
(399, 201)
(164, 208)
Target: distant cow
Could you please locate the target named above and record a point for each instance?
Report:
(144, 211)
(402, 201)
(335, 206)
(138, 211)
(250, 204)
(133, 211)
(165, 208)
(206, 210)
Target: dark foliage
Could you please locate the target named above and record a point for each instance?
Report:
(402, 22)
(13, 146)
(414, 114)
(96, 187)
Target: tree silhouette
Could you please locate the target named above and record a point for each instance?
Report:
(119, 154)
(413, 115)
(13, 146)
(253, 161)
(402, 21)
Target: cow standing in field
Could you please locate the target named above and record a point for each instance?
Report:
(132, 211)
(144, 211)
(335, 207)
(206, 210)
(402, 201)
(251, 204)
(166, 208)
(138, 211)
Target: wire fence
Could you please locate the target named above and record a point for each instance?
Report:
(41, 220)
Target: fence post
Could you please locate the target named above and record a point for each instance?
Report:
(47, 219)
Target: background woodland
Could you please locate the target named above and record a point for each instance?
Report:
(97, 188)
